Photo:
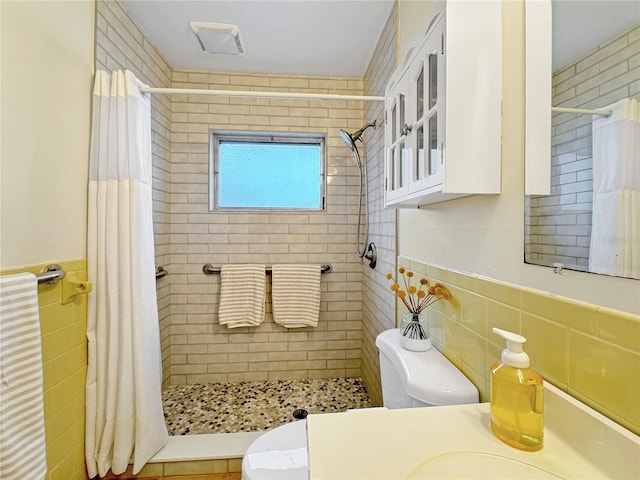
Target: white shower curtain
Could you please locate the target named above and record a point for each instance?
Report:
(124, 417)
(615, 234)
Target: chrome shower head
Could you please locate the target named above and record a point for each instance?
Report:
(350, 138)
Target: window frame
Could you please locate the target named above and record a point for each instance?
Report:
(216, 136)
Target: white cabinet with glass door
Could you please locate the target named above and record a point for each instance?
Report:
(443, 109)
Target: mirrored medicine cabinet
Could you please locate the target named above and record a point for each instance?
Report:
(581, 55)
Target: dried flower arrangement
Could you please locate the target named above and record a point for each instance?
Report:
(416, 299)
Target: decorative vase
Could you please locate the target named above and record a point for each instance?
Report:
(414, 333)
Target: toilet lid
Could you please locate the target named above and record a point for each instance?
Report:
(290, 436)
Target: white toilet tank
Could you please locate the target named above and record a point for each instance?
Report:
(419, 379)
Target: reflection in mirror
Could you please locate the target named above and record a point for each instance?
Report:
(591, 220)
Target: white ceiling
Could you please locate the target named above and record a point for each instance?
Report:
(335, 37)
(296, 37)
(579, 26)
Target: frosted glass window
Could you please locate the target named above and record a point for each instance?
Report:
(267, 171)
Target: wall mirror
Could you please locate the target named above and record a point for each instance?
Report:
(588, 219)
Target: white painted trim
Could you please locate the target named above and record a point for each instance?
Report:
(537, 140)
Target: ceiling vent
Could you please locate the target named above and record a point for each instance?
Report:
(224, 38)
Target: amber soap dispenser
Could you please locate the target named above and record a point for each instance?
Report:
(517, 397)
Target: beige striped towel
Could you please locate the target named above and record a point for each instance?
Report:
(295, 293)
(22, 446)
(242, 295)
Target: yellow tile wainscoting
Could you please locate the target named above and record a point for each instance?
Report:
(64, 357)
(589, 351)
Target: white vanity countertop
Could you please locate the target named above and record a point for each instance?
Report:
(456, 442)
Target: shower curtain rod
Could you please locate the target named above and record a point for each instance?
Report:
(251, 94)
(604, 113)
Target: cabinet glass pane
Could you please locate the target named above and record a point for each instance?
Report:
(393, 124)
(401, 162)
(392, 168)
(420, 170)
(434, 153)
(433, 80)
(401, 120)
(420, 94)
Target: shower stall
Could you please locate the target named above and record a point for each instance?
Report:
(219, 379)
(196, 350)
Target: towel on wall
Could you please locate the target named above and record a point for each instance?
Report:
(22, 441)
(295, 293)
(242, 295)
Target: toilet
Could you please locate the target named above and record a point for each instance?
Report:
(409, 379)
(420, 379)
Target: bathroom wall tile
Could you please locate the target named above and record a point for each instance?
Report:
(500, 291)
(64, 363)
(195, 467)
(64, 468)
(501, 316)
(547, 346)
(474, 351)
(451, 308)
(149, 470)
(572, 313)
(453, 341)
(436, 325)
(284, 374)
(378, 312)
(234, 465)
(461, 280)
(620, 328)
(474, 312)
(437, 274)
(606, 374)
(588, 350)
(494, 354)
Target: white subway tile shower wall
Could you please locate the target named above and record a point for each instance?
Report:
(194, 348)
(378, 305)
(202, 350)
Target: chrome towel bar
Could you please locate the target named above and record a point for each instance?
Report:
(52, 274)
(209, 269)
(55, 272)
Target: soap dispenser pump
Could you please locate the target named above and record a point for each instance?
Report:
(517, 397)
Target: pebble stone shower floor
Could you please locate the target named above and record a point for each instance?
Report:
(256, 406)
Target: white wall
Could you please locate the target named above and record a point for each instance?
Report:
(485, 234)
(47, 68)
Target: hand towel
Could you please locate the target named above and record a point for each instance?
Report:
(295, 293)
(22, 445)
(242, 295)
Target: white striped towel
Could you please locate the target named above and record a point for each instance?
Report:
(295, 293)
(22, 443)
(242, 295)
